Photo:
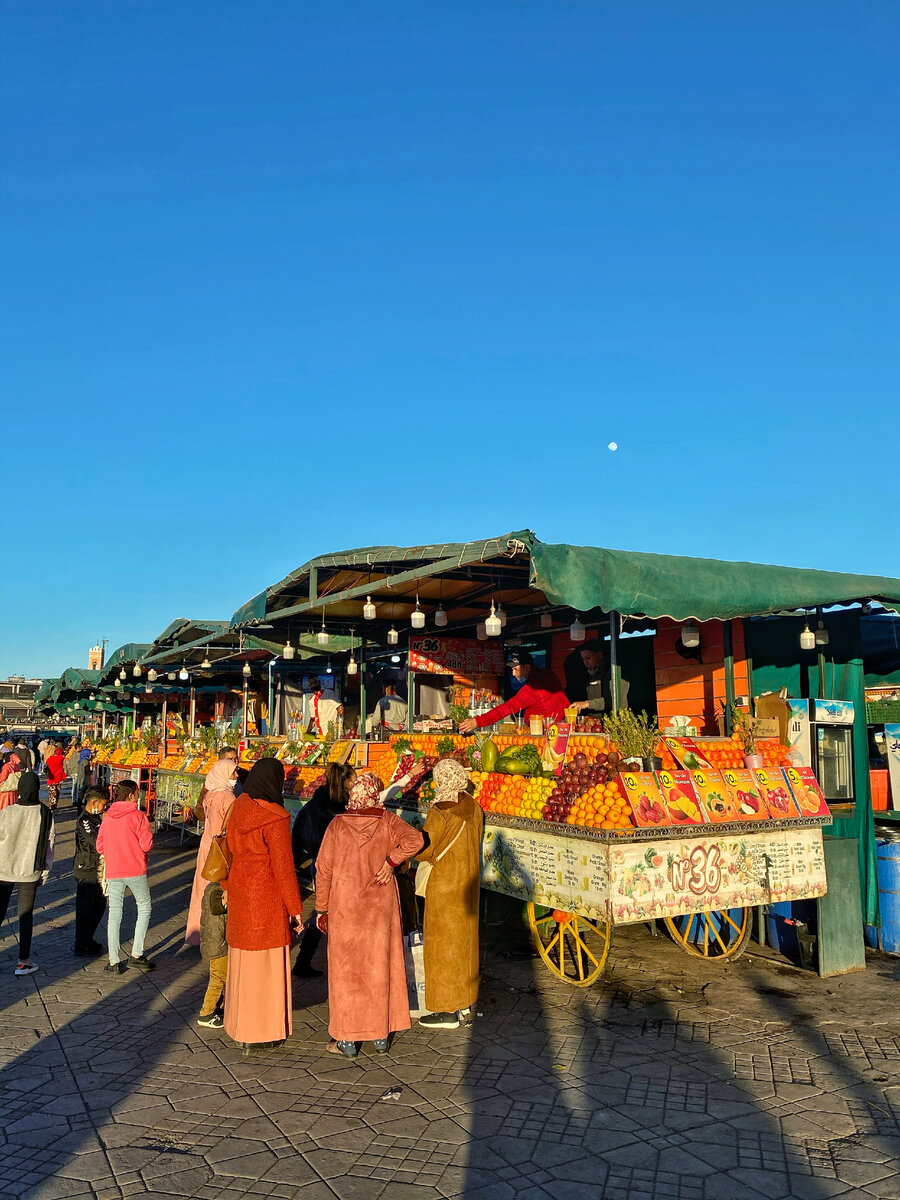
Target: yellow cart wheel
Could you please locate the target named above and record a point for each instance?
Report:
(575, 948)
(712, 935)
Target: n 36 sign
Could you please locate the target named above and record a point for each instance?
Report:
(700, 871)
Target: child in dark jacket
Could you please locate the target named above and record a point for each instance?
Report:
(214, 950)
(90, 902)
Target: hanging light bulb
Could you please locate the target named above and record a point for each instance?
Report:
(807, 638)
(393, 636)
(821, 634)
(328, 670)
(576, 631)
(395, 658)
(147, 688)
(245, 670)
(501, 613)
(183, 675)
(690, 634)
(136, 671)
(417, 619)
(322, 635)
(481, 632)
(171, 677)
(92, 696)
(440, 617)
(493, 625)
(287, 650)
(369, 609)
(206, 664)
(123, 674)
(546, 620)
(352, 665)
(152, 675)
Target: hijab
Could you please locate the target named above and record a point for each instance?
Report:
(450, 778)
(365, 792)
(219, 778)
(265, 781)
(28, 796)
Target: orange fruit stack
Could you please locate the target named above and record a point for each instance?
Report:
(602, 806)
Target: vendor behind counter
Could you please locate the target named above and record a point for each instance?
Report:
(540, 695)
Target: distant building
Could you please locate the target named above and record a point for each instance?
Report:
(17, 699)
(96, 657)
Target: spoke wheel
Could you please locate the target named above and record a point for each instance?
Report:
(575, 948)
(712, 935)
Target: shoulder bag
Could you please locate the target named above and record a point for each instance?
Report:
(218, 860)
(423, 870)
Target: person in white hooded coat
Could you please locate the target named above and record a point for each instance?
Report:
(27, 835)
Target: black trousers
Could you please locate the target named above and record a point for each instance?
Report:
(90, 905)
(309, 944)
(26, 896)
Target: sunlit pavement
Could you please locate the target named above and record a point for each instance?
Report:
(672, 1080)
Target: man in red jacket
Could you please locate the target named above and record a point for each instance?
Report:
(539, 695)
(124, 840)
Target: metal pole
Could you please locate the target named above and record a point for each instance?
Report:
(244, 714)
(361, 728)
(165, 717)
(193, 716)
(134, 716)
(823, 683)
(410, 700)
(271, 724)
(615, 671)
(728, 647)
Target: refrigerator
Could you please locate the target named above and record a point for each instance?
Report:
(821, 737)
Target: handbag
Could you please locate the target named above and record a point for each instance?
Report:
(423, 870)
(218, 860)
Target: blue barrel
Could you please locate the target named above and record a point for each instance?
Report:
(781, 929)
(889, 895)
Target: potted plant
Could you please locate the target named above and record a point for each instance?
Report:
(648, 736)
(746, 727)
(622, 730)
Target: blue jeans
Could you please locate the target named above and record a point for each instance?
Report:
(140, 889)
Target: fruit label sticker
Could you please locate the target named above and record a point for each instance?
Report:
(807, 793)
(680, 799)
(686, 751)
(715, 796)
(776, 793)
(645, 799)
(746, 795)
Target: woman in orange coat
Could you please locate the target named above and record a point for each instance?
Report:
(358, 906)
(263, 904)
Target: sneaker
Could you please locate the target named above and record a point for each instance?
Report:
(116, 968)
(381, 1045)
(444, 1020)
(26, 968)
(141, 964)
(211, 1021)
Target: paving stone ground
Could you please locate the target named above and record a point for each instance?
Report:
(671, 1080)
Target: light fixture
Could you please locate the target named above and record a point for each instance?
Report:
(183, 675)
(152, 675)
(369, 609)
(807, 638)
(245, 670)
(576, 631)
(123, 674)
(501, 613)
(821, 634)
(393, 636)
(171, 676)
(147, 688)
(77, 705)
(481, 632)
(352, 664)
(493, 625)
(395, 658)
(136, 670)
(546, 620)
(417, 617)
(328, 670)
(91, 696)
(322, 635)
(287, 651)
(206, 664)
(690, 634)
(440, 617)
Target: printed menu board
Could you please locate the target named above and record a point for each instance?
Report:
(680, 799)
(455, 656)
(645, 799)
(807, 793)
(715, 796)
(776, 793)
(746, 794)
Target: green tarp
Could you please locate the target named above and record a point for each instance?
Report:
(129, 653)
(665, 585)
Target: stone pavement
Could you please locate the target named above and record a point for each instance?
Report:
(671, 1080)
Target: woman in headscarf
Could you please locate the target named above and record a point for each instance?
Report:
(263, 904)
(218, 798)
(453, 851)
(10, 773)
(358, 906)
(26, 856)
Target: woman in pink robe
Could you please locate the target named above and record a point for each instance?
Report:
(358, 906)
(217, 804)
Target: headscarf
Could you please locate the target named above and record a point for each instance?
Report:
(219, 779)
(365, 792)
(265, 781)
(28, 795)
(450, 778)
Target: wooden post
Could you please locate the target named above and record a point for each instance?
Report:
(728, 647)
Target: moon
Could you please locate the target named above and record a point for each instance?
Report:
(613, 446)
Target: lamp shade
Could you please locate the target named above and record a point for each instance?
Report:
(183, 674)
(501, 613)
(171, 677)
(417, 619)
(152, 675)
(123, 674)
(287, 650)
(481, 632)
(322, 636)
(821, 635)
(690, 634)
(206, 664)
(576, 631)
(369, 609)
(807, 638)
(245, 670)
(493, 626)
(440, 617)
(136, 670)
(352, 666)
(393, 636)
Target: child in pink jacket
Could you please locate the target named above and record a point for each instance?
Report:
(124, 841)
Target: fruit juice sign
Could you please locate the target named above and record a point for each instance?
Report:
(746, 795)
(455, 656)
(645, 799)
(715, 796)
(556, 742)
(807, 793)
(776, 793)
(686, 751)
(680, 798)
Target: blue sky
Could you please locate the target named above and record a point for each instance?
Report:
(279, 279)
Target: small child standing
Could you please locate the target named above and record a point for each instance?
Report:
(90, 902)
(124, 841)
(214, 950)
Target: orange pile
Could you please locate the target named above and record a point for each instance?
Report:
(601, 807)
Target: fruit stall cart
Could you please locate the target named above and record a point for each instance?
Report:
(112, 766)
(596, 846)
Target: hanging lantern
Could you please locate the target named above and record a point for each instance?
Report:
(417, 619)
(287, 650)
(147, 688)
(369, 609)
(481, 632)
(352, 665)
(322, 635)
(328, 669)
(245, 670)
(690, 634)
(152, 675)
(546, 620)
(440, 617)
(807, 638)
(501, 613)
(183, 675)
(493, 625)
(576, 631)
(393, 636)
(171, 677)
(123, 674)
(136, 671)
(395, 658)
(821, 634)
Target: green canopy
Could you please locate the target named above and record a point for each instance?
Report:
(131, 652)
(666, 585)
